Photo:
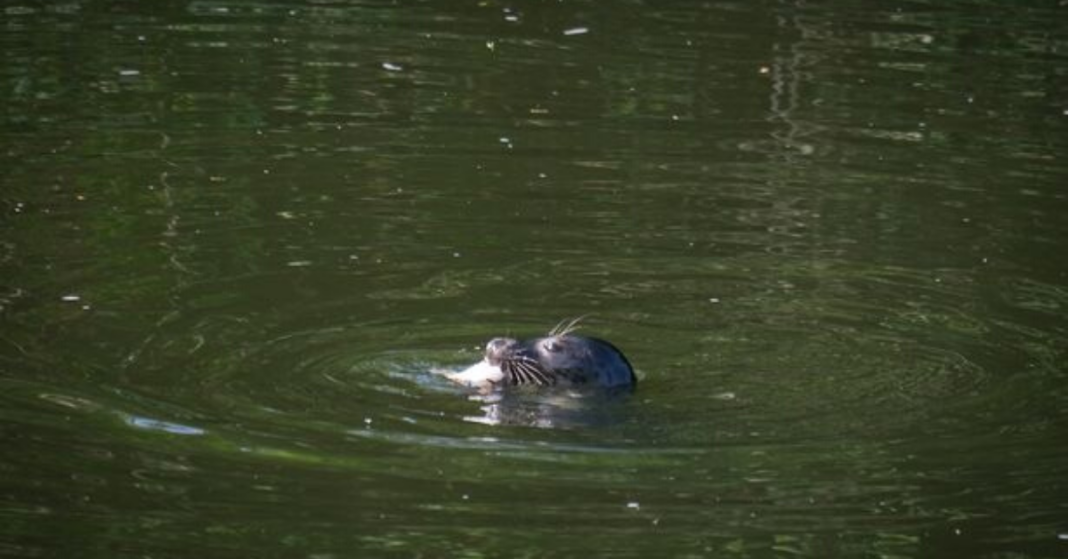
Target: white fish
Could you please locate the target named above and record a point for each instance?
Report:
(479, 374)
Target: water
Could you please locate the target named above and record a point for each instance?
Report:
(236, 238)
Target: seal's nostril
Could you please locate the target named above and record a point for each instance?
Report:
(496, 349)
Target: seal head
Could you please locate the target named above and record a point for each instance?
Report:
(554, 360)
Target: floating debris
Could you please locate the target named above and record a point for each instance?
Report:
(160, 425)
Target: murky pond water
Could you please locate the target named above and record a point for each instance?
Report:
(236, 239)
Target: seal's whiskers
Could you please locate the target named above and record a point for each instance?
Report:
(561, 330)
(524, 370)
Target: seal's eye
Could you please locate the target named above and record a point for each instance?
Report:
(551, 345)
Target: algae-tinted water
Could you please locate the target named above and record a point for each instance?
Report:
(237, 237)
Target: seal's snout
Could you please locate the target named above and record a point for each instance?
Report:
(497, 348)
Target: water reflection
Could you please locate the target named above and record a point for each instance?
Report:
(559, 409)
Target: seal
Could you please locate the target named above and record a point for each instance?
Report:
(558, 359)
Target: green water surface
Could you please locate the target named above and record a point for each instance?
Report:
(236, 238)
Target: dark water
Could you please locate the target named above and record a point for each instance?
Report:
(236, 237)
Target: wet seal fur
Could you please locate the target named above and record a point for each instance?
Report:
(558, 359)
